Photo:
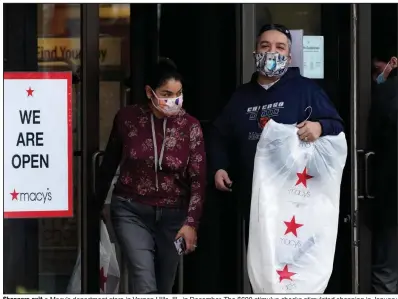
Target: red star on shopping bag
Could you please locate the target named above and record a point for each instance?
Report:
(303, 177)
(285, 274)
(292, 226)
(103, 279)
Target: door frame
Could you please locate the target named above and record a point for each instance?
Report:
(361, 236)
(89, 107)
(20, 236)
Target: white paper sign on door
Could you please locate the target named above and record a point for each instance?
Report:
(297, 49)
(313, 56)
(38, 150)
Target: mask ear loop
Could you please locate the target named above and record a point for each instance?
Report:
(308, 117)
(154, 93)
(384, 70)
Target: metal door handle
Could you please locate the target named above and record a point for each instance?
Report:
(360, 196)
(367, 155)
(94, 168)
(126, 95)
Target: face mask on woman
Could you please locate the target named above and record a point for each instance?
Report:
(167, 106)
(271, 64)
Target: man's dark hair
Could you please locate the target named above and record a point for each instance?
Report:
(278, 27)
(282, 29)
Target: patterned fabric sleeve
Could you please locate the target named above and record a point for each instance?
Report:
(197, 174)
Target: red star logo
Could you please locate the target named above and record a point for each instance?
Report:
(263, 122)
(103, 279)
(285, 274)
(303, 177)
(14, 195)
(292, 226)
(30, 92)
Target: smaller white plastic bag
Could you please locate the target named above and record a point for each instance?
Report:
(109, 268)
(110, 192)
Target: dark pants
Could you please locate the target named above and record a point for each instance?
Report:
(385, 259)
(146, 236)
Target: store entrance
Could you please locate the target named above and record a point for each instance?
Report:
(211, 45)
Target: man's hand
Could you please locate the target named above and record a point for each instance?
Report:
(188, 233)
(222, 181)
(309, 131)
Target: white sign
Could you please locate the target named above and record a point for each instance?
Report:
(297, 49)
(313, 57)
(38, 150)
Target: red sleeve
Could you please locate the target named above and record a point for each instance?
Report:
(197, 175)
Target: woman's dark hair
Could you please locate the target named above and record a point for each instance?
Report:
(164, 70)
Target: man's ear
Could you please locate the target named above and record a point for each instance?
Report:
(289, 60)
(394, 62)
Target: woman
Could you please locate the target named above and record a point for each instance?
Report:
(159, 195)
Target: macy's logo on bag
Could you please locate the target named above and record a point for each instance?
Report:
(302, 179)
(31, 196)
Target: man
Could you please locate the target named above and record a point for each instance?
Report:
(383, 134)
(278, 92)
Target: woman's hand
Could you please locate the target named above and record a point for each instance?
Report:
(105, 214)
(188, 233)
(309, 131)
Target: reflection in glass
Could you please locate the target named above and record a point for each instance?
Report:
(305, 16)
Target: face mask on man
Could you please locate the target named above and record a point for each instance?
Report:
(167, 106)
(381, 77)
(271, 64)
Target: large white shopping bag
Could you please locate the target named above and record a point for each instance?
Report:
(109, 268)
(294, 210)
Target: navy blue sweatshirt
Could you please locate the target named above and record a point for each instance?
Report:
(237, 130)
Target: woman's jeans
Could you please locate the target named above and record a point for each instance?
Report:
(146, 236)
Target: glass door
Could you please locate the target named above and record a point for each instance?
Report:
(125, 51)
(59, 239)
(327, 22)
(42, 253)
(114, 71)
(374, 149)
